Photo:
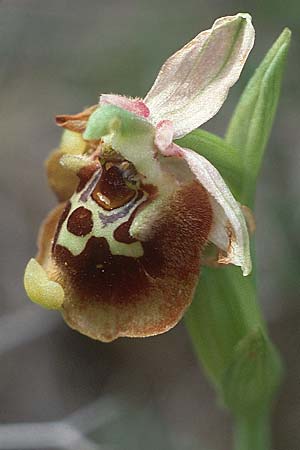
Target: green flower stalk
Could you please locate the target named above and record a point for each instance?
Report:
(146, 200)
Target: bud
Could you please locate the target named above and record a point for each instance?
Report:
(252, 377)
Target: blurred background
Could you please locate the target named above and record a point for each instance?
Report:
(56, 57)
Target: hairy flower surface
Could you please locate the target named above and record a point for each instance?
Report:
(121, 253)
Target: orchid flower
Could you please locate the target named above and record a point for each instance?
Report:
(121, 254)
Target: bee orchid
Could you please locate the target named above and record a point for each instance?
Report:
(121, 253)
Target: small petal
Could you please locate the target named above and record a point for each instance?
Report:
(72, 143)
(163, 140)
(193, 83)
(136, 106)
(164, 135)
(74, 163)
(229, 230)
(62, 181)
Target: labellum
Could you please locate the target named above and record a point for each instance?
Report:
(121, 254)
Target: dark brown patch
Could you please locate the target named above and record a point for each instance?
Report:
(96, 269)
(85, 174)
(121, 234)
(114, 189)
(80, 222)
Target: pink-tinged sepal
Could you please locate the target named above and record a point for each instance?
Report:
(193, 83)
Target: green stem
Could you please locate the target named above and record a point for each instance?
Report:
(253, 433)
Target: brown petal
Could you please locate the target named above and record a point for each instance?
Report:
(108, 296)
(75, 122)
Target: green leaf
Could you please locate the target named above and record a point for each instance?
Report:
(252, 120)
(253, 375)
(222, 155)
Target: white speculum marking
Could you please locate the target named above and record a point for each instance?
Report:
(101, 228)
